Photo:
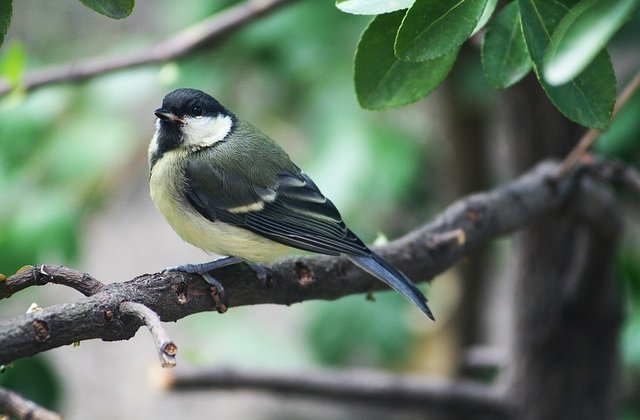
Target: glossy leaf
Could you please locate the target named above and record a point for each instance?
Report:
(116, 9)
(588, 98)
(581, 35)
(505, 58)
(6, 11)
(372, 7)
(384, 81)
(486, 15)
(432, 28)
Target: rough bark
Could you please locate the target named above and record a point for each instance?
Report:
(567, 303)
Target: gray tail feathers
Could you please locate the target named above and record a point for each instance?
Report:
(376, 266)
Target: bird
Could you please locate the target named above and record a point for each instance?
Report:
(229, 189)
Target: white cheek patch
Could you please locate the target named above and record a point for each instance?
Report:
(206, 131)
(153, 145)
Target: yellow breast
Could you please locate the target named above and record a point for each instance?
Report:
(213, 237)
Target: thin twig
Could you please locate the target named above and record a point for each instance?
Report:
(590, 137)
(43, 274)
(179, 45)
(462, 398)
(15, 405)
(166, 347)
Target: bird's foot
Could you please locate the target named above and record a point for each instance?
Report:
(217, 293)
(262, 273)
(217, 290)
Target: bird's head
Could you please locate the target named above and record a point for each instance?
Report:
(191, 119)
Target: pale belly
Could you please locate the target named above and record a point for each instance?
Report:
(212, 237)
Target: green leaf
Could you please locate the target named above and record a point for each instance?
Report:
(505, 59)
(620, 141)
(116, 9)
(581, 35)
(381, 79)
(432, 28)
(372, 7)
(13, 63)
(6, 10)
(587, 99)
(486, 15)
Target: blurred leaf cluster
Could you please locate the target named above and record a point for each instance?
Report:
(53, 158)
(34, 379)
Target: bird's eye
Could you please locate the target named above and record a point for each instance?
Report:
(196, 110)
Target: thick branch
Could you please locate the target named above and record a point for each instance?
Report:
(186, 42)
(464, 399)
(619, 173)
(481, 217)
(15, 405)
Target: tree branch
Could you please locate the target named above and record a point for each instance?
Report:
(166, 348)
(464, 399)
(479, 218)
(15, 405)
(201, 35)
(29, 276)
(617, 172)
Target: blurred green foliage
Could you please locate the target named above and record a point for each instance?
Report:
(355, 332)
(34, 379)
(52, 161)
(620, 141)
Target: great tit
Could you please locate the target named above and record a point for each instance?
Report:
(229, 189)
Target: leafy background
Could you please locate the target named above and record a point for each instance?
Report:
(73, 168)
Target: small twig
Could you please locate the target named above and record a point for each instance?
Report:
(40, 275)
(181, 44)
(463, 398)
(16, 405)
(590, 137)
(166, 348)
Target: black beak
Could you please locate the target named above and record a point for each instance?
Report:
(167, 115)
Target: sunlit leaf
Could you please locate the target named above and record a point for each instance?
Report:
(588, 98)
(486, 15)
(384, 81)
(6, 9)
(505, 58)
(432, 28)
(13, 63)
(372, 7)
(116, 9)
(581, 35)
